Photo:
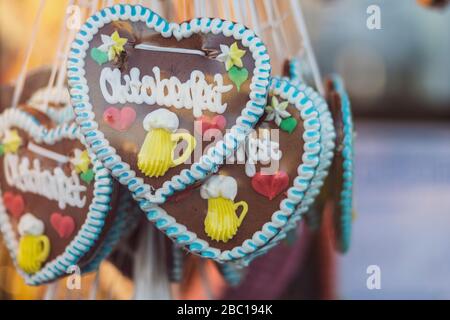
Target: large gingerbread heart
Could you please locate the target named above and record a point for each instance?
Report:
(249, 201)
(57, 206)
(139, 86)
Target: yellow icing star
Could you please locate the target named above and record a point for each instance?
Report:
(231, 56)
(113, 45)
(117, 47)
(81, 161)
(11, 141)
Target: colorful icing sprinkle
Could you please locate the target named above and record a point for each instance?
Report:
(113, 45)
(110, 49)
(238, 76)
(277, 112)
(11, 141)
(87, 176)
(81, 161)
(232, 56)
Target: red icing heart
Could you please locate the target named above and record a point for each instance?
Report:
(217, 122)
(14, 203)
(120, 120)
(64, 225)
(270, 186)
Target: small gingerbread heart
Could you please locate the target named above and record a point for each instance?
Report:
(120, 120)
(64, 225)
(217, 122)
(271, 185)
(14, 203)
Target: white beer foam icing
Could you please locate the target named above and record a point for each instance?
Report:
(161, 118)
(219, 186)
(30, 225)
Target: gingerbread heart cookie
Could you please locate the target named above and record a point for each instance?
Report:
(57, 202)
(238, 211)
(341, 177)
(140, 84)
(326, 154)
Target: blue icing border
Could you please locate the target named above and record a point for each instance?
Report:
(346, 202)
(99, 208)
(209, 162)
(124, 222)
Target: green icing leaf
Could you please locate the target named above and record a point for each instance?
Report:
(288, 124)
(99, 56)
(2, 150)
(238, 76)
(87, 176)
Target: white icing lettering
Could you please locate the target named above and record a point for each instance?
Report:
(66, 190)
(195, 93)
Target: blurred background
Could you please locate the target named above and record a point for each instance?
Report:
(398, 79)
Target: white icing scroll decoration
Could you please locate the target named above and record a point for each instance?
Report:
(263, 150)
(47, 153)
(195, 93)
(66, 190)
(149, 47)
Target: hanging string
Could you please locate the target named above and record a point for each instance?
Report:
(94, 7)
(237, 11)
(254, 14)
(301, 26)
(243, 10)
(280, 19)
(150, 269)
(205, 281)
(203, 8)
(185, 10)
(107, 3)
(226, 10)
(94, 288)
(89, 7)
(22, 76)
(50, 293)
(197, 10)
(57, 59)
(272, 25)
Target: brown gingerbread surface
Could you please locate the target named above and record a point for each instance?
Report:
(190, 209)
(40, 206)
(180, 65)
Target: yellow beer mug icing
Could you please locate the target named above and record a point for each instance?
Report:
(222, 221)
(34, 246)
(157, 152)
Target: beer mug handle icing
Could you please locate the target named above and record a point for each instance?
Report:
(176, 137)
(244, 206)
(33, 250)
(44, 248)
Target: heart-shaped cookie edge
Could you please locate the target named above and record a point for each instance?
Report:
(343, 236)
(90, 231)
(326, 155)
(296, 194)
(215, 156)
